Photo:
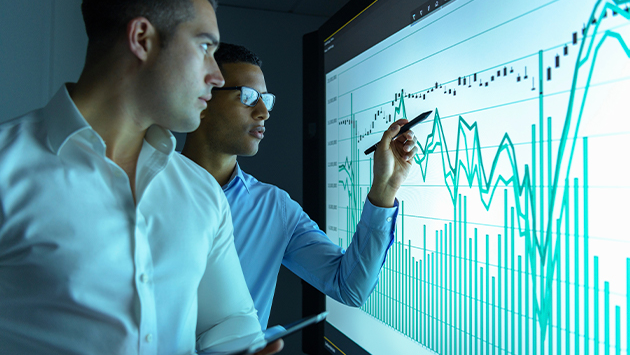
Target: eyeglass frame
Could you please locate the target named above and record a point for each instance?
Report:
(260, 95)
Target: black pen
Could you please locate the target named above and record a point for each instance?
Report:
(421, 117)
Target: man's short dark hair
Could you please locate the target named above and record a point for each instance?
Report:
(233, 53)
(105, 20)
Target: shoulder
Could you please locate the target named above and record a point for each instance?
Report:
(193, 170)
(20, 127)
(258, 187)
(199, 182)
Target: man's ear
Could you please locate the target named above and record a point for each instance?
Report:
(142, 37)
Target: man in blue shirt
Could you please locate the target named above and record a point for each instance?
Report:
(270, 228)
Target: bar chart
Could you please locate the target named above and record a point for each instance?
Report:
(511, 236)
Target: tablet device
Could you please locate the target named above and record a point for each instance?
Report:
(290, 328)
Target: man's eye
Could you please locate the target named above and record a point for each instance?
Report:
(205, 46)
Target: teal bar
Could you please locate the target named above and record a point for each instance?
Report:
(470, 298)
(576, 227)
(528, 252)
(462, 288)
(498, 319)
(481, 320)
(435, 294)
(617, 330)
(586, 257)
(606, 318)
(493, 318)
(566, 269)
(488, 294)
(477, 301)
(596, 303)
(505, 268)
(463, 269)
(520, 333)
(425, 290)
(512, 308)
(443, 301)
(558, 289)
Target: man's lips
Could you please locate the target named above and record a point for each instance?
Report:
(258, 132)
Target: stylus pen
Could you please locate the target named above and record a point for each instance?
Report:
(421, 117)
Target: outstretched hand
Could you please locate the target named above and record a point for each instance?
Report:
(392, 164)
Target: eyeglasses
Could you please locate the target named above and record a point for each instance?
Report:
(251, 96)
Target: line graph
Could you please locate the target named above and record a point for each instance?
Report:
(513, 262)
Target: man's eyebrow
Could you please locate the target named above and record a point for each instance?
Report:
(212, 38)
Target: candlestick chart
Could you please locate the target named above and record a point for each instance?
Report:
(511, 235)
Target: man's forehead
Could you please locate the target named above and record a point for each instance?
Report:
(243, 74)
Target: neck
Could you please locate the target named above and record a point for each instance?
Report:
(219, 165)
(104, 99)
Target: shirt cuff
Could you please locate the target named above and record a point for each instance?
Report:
(380, 218)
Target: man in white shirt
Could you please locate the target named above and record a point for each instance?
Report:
(109, 241)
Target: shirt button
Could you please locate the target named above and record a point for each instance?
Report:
(149, 338)
(389, 219)
(144, 278)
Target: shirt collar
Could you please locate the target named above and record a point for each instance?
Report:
(237, 173)
(64, 120)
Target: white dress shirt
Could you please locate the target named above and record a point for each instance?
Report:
(85, 270)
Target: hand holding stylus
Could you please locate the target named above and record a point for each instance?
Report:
(393, 160)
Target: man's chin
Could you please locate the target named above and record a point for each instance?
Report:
(187, 126)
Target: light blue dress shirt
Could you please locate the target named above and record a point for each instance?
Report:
(271, 229)
(84, 269)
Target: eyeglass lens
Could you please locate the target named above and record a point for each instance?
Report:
(250, 97)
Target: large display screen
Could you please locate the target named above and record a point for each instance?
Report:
(512, 235)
